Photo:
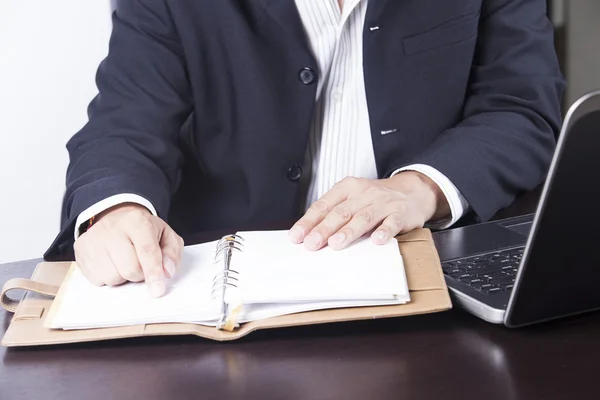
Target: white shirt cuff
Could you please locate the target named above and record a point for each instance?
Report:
(109, 202)
(458, 204)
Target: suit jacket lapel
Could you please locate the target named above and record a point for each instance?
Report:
(375, 10)
(285, 13)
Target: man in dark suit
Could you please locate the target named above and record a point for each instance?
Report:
(350, 116)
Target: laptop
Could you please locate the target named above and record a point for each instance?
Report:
(539, 267)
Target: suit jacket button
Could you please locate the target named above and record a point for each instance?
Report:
(307, 76)
(294, 173)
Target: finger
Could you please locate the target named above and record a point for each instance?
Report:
(125, 259)
(171, 245)
(315, 214)
(362, 222)
(145, 239)
(320, 208)
(96, 264)
(339, 216)
(390, 227)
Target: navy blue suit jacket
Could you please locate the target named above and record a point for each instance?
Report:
(204, 110)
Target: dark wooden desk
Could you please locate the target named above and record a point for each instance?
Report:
(447, 355)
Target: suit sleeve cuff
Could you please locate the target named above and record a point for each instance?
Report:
(107, 203)
(458, 204)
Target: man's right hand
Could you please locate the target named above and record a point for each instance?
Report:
(128, 243)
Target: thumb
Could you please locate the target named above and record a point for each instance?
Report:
(171, 245)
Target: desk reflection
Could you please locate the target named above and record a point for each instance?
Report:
(494, 363)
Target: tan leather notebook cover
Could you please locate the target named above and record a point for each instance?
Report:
(426, 283)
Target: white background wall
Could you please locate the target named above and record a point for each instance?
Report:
(49, 53)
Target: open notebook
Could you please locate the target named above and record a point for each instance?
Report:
(244, 277)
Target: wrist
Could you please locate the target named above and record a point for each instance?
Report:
(429, 195)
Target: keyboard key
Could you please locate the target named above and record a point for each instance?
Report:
(494, 290)
(504, 279)
(475, 280)
(494, 274)
(495, 268)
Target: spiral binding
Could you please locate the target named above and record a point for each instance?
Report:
(227, 277)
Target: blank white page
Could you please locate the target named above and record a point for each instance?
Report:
(274, 270)
(188, 297)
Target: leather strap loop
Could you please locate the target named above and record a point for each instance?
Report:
(11, 305)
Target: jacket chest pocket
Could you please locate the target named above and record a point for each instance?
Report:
(455, 31)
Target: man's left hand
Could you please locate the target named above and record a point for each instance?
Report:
(356, 206)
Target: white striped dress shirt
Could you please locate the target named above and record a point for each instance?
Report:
(340, 143)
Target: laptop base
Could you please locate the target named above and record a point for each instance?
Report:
(477, 308)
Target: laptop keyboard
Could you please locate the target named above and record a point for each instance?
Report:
(488, 273)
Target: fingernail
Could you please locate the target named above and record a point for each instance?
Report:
(296, 234)
(169, 266)
(338, 239)
(381, 236)
(313, 241)
(157, 288)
